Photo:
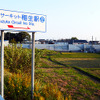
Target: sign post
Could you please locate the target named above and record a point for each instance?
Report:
(33, 65)
(20, 21)
(2, 63)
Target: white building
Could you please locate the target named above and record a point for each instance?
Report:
(6, 42)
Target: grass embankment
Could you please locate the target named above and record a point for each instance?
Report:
(68, 79)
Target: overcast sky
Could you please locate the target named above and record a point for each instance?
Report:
(65, 18)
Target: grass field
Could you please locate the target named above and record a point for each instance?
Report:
(77, 55)
(88, 61)
(70, 81)
(81, 62)
(56, 77)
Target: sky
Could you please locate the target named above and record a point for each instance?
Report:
(65, 18)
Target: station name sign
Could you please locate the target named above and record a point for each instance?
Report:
(22, 21)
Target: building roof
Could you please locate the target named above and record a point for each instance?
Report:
(78, 41)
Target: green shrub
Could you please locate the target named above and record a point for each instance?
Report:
(19, 59)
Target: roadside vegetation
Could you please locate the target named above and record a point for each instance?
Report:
(55, 77)
(18, 76)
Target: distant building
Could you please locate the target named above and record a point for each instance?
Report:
(27, 42)
(94, 42)
(30, 42)
(42, 41)
(78, 42)
(37, 42)
(6, 42)
(61, 43)
(51, 42)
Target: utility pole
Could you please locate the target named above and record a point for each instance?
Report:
(92, 40)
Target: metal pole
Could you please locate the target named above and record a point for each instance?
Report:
(33, 65)
(2, 63)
